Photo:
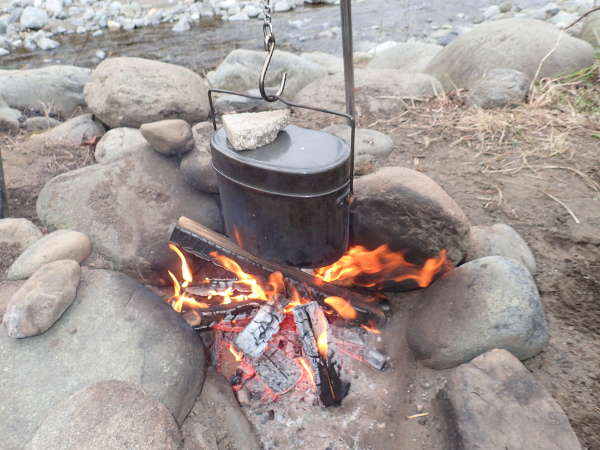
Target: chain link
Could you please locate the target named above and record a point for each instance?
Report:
(267, 26)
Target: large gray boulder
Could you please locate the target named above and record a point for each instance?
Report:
(218, 418)
(405, 56)
(494, 402)
(128, 92)
(369, 145)
(499, 240)
(499, 88)
(376, 91)
(591, 29)
(410, 212)
(520, 44)
(110, 415)
(488, 303)
(115, 329)
(127, 207)
(33, 18)
(239, 71)
(52, 89)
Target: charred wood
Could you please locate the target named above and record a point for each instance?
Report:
(312, 323)
(255, 337)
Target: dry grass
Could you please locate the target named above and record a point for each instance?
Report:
(560, 120)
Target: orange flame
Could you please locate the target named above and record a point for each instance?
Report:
(307, 369)
(186, 273)
(322, 344)
(342, 307)
(372, 267)
(237, 355)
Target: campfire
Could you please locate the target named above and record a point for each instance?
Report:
(274, 329)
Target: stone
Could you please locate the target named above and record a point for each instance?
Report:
(499, 88)
(331, 63)
(217, 417)
(10, 119)
(488, 303)
(506, 6)
(169, 137)
(73, 132)
(120, 142)
(42, 299)
(128, 92)
(20, 233)
(376, 91)
(198, 171)
(491, 12)
(115, 329)
(590, 31)
(494, 402)
(61, 244)
(55, 7)
(33, 18)
(563, 19)
(519, 44)
(45, 43)
(409, 57)
(196, 166)
(108, 415)
(52, 89)
(369, 145)
(182, 25)
(248, 131)
(410, 212)
(7, 289)
(238, 72)
(128, 208)
(40, 123)
(499, 240)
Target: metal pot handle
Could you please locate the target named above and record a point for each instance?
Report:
(348, 117)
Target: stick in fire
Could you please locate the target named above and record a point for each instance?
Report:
(311, 324)
(201, 242)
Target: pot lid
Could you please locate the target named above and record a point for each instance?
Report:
(299, 162)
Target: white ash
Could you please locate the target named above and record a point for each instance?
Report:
(248, 131)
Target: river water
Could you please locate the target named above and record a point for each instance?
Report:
(310, 28)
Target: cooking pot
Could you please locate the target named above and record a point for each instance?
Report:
(287, 201)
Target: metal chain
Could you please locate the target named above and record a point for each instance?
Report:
(267, 27)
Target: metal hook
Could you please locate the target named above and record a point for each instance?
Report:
(270, 47)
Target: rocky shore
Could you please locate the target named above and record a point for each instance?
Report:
(30, 25)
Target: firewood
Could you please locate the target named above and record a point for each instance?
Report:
(201, 242)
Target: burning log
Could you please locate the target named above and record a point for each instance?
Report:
(311, 324)
(216, 286)
(201, 242)
(202, 319)
(255, 337)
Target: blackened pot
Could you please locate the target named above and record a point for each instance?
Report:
(289, 200)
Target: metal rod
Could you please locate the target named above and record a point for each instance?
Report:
(346, 13)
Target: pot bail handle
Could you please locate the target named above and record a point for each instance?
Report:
(348, 117)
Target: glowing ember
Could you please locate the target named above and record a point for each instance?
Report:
(370, 268)
(307, 370)
(237, 355)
